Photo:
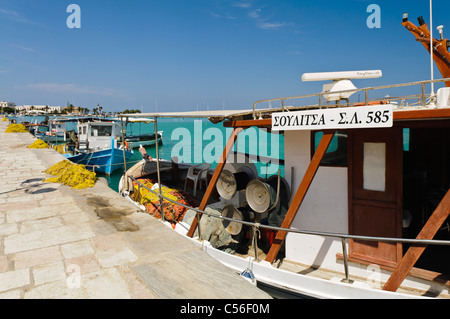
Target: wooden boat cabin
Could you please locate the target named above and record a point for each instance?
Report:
(369, 178)
(387, 181)
(369, 184)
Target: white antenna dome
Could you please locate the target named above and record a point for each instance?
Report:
(341, 82)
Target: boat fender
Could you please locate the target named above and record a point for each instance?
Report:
(125, 188)
(144, 153)
(248, 275)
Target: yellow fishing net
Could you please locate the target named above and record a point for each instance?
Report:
(70, 174)
(147, 196)
(5, 119)
(16, 128)
(38, 144)
(173, 213)
(61, 148)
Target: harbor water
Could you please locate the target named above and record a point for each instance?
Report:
(196, 141)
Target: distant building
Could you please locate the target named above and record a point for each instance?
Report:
(39, 108)
(73, 110)
(7, 104)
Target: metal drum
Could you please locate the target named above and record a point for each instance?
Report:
(243, 214)
(234, 228)
(285, 190)
(260, 196)
(230, 183)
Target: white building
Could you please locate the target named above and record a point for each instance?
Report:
(39, 108)
(7, 104)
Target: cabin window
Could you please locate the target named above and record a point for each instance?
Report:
(406, 137)
(101, 130)
(336, 154)
(374, 169)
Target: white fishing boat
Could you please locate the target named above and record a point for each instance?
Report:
(362, 210)
(56, 133)
(97, 147)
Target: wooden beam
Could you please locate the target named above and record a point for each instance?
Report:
(249, 123)
(300, 194)
(441, 55)
(415, 251)
(422, 114)
(215, 177)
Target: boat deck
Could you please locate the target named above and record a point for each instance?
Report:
(355, 280)
(56, 242)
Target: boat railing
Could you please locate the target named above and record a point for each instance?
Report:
(421, 98)
(256, 226)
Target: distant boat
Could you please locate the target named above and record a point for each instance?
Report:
(97, 147)
(56, 132)
(141, 139)
(135, 141)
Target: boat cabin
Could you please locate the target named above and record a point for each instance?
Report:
(98, 135)
(57, 129)
(369, 185)
(387, 181)
(383, 182)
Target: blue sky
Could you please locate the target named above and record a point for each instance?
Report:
(182, 55)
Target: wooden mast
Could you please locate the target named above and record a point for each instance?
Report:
(441, 55)
(413, 254)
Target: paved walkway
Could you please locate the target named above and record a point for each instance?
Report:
(56, 242)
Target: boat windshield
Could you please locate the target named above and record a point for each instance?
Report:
(100, 130)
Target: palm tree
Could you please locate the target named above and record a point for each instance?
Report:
(70, 108)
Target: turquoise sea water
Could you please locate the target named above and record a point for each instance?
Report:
(198, 141)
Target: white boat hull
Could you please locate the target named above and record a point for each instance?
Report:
(290, 282)
(301, 284)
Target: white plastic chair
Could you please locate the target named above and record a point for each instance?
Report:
(202, 175)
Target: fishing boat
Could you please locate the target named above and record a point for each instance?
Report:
(56, 132)
(362, 210)
(97, 147)
(39, 130)
(135, 136)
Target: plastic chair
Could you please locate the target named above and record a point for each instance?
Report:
(202, 175)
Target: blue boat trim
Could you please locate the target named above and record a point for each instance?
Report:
(103, 161)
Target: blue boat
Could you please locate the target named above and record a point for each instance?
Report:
(98, 148)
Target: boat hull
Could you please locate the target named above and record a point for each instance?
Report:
(103, 161)
(51, 138)
(144, 140)
(293, 283)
